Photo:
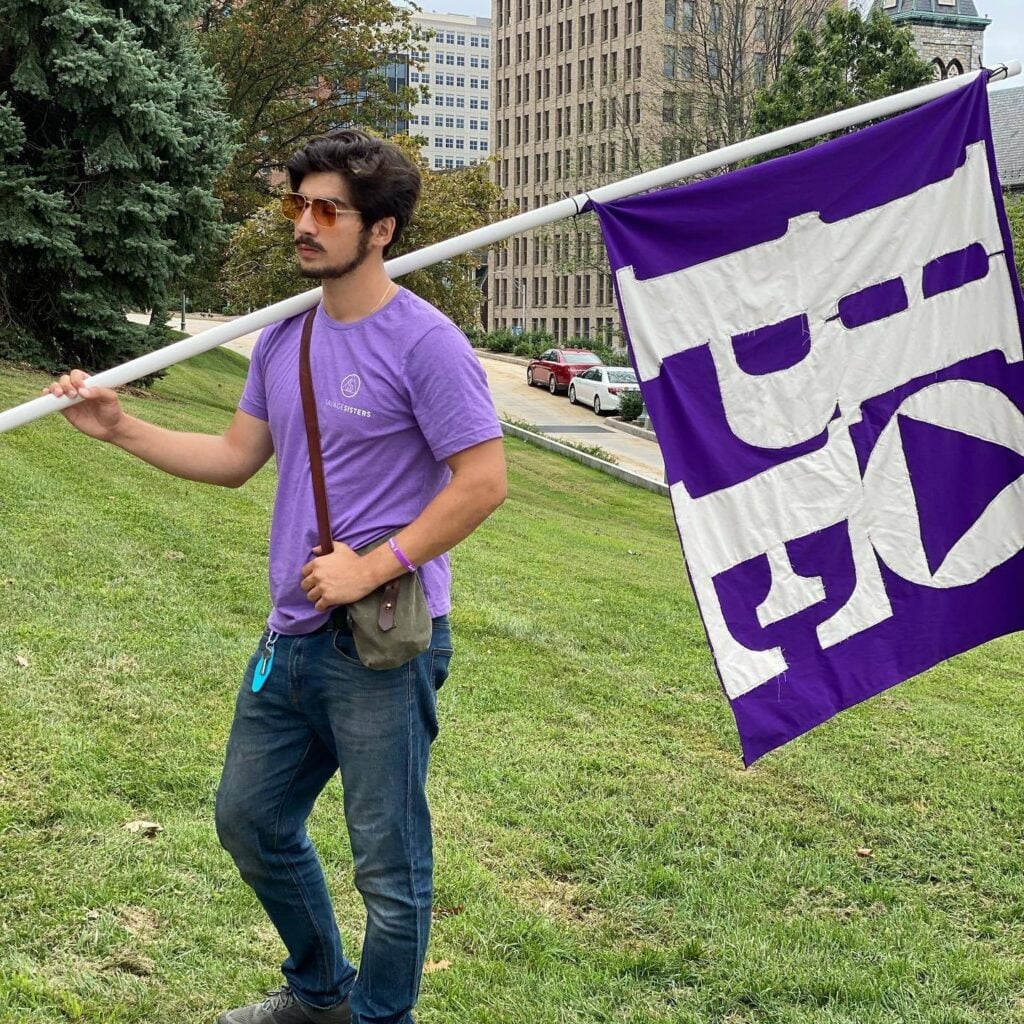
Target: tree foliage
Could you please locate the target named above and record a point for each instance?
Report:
(261, 267)
(110, 141)
(292, 70)
(853, 59)
(1015, 214)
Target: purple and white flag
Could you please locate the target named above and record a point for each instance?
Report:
(830, 350)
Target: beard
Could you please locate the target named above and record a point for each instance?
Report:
(341, 269)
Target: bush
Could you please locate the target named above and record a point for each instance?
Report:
(631, 405)
(531, 344)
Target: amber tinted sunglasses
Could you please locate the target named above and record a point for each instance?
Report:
(325, 212)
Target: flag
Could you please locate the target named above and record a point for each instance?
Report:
(829, 346)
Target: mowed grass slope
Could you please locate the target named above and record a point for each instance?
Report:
(601, 854)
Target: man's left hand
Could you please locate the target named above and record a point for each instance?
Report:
(338, 578)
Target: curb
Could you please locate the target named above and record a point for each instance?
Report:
(627, 476)
(502, 357)
(632, 428)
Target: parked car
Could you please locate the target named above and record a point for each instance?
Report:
(557, 366)
(600, 387)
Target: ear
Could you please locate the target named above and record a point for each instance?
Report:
(382, 231)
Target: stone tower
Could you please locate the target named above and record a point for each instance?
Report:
(948, 33)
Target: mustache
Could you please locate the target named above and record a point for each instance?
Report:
(309, 241)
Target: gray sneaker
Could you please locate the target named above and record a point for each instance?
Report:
(282, 1006)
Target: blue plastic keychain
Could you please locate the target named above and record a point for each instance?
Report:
(266, 663)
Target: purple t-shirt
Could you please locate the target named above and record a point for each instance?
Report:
(398, 393)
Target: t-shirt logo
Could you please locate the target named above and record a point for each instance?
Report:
(350, 385)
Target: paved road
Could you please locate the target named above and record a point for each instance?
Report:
(514, 399)
(552, 414)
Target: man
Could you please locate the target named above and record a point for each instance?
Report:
(411, 443)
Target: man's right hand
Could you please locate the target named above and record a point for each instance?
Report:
(99, 414)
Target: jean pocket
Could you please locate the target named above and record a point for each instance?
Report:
(344, 644)
(440, 665)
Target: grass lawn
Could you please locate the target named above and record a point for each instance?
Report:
(601, 854)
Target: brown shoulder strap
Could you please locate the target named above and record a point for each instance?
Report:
(316, 461)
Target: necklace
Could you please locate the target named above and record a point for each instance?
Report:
(380, 301)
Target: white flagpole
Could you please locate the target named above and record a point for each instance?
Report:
(481, 237)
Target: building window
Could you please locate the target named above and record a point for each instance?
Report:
(759, 69)
(669, 65)
(686, 63)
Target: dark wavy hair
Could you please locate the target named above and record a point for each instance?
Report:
(381, 179)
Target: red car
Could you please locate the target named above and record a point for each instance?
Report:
(557, 366)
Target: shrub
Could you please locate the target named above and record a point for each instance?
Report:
(631, 405)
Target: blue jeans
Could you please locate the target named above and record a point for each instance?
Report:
(320, 711)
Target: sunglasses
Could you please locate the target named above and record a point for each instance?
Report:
(325, 212)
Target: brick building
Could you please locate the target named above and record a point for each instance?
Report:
(590, 91)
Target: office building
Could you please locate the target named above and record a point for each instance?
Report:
(455, 113)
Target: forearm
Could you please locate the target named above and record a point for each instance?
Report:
(449, 519)
(476, 489)
(206, 458)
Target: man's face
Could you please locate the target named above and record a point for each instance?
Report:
(335, 251)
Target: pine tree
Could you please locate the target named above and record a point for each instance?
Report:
(111, 136)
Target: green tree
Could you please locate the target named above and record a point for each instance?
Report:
(294, 69)
(851, 59)
(261, 268)
(1015, 214)
(110, 141)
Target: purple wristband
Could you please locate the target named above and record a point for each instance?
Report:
(397, 552)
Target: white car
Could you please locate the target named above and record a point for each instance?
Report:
(600, 387)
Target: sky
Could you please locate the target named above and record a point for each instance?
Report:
(1004, 38)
